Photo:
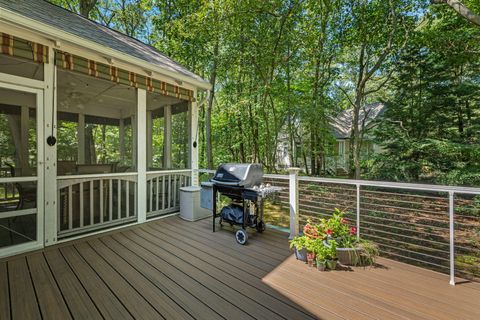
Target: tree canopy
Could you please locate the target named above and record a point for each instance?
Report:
(280, 70)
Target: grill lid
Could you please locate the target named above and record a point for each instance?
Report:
(244, 175)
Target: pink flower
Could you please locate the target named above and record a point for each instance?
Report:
(353, 230)
(329, 232)
(344, 221)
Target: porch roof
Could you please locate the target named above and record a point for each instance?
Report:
(54, 16)
(175, 269)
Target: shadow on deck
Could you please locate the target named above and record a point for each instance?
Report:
(175, 269)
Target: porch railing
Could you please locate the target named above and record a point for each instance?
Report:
(92, 202)
(432, 226)
(163, 191)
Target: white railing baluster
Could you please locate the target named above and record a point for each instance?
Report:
(101, 200)
(110, 199)
(150, 200)
(119, 199)
(81, 205)
(92, 222)
(174, 202)
(294, 204)
(127, 198)
(451, 210)
(169, 189)
(135, 198)
(70, 208)
(156, 193)
(163, 192)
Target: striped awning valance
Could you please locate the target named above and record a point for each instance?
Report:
(21, 48)
(104, 71)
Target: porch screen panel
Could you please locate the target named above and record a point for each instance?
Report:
(104, 71)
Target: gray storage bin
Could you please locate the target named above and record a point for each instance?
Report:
(206, 200)
(190, 204)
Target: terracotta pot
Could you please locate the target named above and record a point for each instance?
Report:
(310, 262)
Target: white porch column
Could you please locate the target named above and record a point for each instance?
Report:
(121, 132)
(167, 136)
(293, 196)
(149, 139)
(133, 121)
(81, 138)
(50, 154)
(24, 117)
(193, 134)
(141, 155)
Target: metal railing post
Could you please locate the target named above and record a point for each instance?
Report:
(358, 211)
(293, 200)
(452, 236)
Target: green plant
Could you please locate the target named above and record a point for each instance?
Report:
(331, 252)
(368, 252)
(299, 242)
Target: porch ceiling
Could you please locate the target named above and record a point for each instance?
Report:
(79, 93)
(180, 270)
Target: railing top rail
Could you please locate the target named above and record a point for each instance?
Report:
(383, 184)
(169, 171)
(395, 185)
(100, 175)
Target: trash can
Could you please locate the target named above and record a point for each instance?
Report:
(190, 204)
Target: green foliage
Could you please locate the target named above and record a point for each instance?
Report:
(298, 242)
(282, 69)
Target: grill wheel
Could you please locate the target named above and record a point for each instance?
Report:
(241, 236)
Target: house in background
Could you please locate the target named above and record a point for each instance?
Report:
(341, 130)
(97, 129)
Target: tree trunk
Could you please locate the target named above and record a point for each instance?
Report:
(461, 9)
(86, 6)
(208, 114)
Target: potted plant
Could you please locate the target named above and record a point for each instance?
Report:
(310, 258)
(350, 250)
(321, 255)
(331, 255)
(298, 243)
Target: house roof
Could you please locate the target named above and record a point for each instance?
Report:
(342, 124)
(69, 22)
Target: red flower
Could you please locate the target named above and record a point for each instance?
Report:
(344, 221)
(329, 232)
(353, 230)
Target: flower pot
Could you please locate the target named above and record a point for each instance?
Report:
(321, 266)
(310, 262)
(332, 264)
(348, 256)
(301, 254)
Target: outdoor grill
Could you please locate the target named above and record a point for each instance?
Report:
(243, 185)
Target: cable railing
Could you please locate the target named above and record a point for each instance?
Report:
(432, 226)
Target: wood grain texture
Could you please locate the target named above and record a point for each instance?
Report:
(174, 269)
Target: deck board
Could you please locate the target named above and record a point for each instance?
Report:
(23, 299)
(104, 299)
(174, 269)
(4, 292)
(50, 300)
(74, 294)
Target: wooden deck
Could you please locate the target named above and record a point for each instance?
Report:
(175, 269)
